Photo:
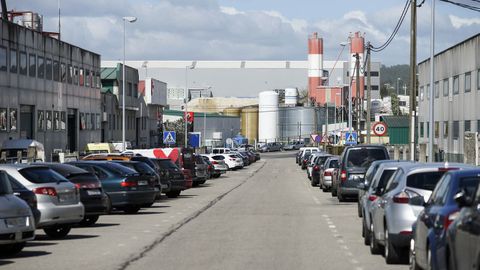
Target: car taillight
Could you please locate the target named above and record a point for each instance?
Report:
(449, 219)
(128, 184)
(87, 185)
(404, 196)
(50, 191)
(372, 198)
(327, 173)
(214, 162)
(343, 176)
(304, 161)
(316, 168)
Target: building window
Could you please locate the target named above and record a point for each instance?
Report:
(49, 67)
(99, 121)
(81, 78)
(63, 72)
(93, 123)
(135, 90)
(428, 130)
(63, 120)
(467, 126)
(13, 119)
(446, 89)
(422, 129)
(478, 79)
(456, 130)
(445, 129)
(82, 121)
(374, 87)
(56, 120)
(468, 82)
(75, 75)
(49, 120)
(437, 89)
(32, 65)
(130, 89)
(98, 80)
(23, 63)
(88, 122)
(437, 129)
(428, 92)
(87, 79)
(3, 119)
(41, 68)
(13, 61)
(56, 71)
(478, 126)
(3, 58)
(421, 93)
(40, 120)
(456, 87)
(70, 74)
(374, 74)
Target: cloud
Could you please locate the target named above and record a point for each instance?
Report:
(458, 22)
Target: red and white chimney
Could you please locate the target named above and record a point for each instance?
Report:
(315, 63)
(357, 45)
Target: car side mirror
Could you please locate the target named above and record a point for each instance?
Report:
(418, 200)
(462, 199)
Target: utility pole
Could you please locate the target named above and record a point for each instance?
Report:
(357, 96)
(369, 94)
(413, 76)
(432, 87)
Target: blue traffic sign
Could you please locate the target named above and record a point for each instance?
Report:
(351, 138)
(169, 137)
(194, 139)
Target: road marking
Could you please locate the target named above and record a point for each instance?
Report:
(350, 254)
(354, 261)
(332, 226)
(316, 200)
(147, 231)
(344, 247)
(121, 245)
(325, 216)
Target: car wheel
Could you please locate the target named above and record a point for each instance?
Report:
(450, 260)
(57, 232)
(359, 209)
(367, 238)
(131, 209)
(412, 261)
(340, 196)
(108, 202)
(375, 247)
(313, 183)
(147, 205)
(334, 192)
(429, 259)
(173, 194)
(390, 252)
(89, 220)
(11, 249)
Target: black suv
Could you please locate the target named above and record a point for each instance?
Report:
(354, 162)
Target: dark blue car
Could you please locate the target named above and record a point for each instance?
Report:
(430, 232)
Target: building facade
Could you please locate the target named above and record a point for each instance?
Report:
(49, 90)
(456, 95)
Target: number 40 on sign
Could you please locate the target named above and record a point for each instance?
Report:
(380, 129)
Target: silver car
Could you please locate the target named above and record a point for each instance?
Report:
(394, 213)
(17, 224)
(58, 199)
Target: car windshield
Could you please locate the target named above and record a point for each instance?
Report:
(5, 187)
(363, 157)
(119, 169)
(40, 175)
(424, 180)
(333, 163)
(321, 160)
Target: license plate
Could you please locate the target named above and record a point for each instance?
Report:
(156, 189)
(16, 222)
(142, 183)
(94, 192)
(66, 197)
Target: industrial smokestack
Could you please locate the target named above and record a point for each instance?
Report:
(315, 63)
(357, 45)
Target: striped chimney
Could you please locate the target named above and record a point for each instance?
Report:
(315, 63)
(357, 45)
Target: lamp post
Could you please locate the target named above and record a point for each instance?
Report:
(336, 127)
(432, 85)
(125, 20)
(186, 104)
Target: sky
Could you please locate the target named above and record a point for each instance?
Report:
(248, 29)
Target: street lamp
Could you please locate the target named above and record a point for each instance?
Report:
(186, 103)
(336, 127)
(125, 20)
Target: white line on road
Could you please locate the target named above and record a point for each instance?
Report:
(316, 200)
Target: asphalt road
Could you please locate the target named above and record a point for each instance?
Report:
(266, 216)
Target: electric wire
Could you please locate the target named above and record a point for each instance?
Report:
(464, 5)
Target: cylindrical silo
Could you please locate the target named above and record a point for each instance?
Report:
(291, 97)
(232, 111)
(268, 116)
(249, 118)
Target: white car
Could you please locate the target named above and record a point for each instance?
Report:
(233, 161)
(219, 166)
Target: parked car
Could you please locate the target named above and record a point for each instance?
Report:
(318, 163)
(255, 153)
(18, 225)
(219, 166)
(301, 153)
(294, 145)
(324, 173)
(354, 162)
(305, 159)
(245, 159)
(27, 195)
(376, 180)
(57, 198)
(271, 147)
(395, 212)
(201, 171)
(310, 163)
(176, 179)
(125, 188)
(430, 249)
(90, 188)
(232, 161)
(164, 182)
(221, 150)
(463, 234)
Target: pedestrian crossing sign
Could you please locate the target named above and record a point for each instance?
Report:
(169, 137)
(351, 138)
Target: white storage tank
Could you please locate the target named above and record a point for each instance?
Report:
(268, 116)
(291, 97)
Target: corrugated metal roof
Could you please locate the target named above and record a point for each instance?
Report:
(396, 121)
(108, 73)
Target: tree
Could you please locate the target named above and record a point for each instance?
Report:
(395, 104)
(178, 126)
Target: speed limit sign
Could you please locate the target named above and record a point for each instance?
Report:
(380, 129)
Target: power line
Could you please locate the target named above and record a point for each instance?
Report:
(395, 31)
(464, 5)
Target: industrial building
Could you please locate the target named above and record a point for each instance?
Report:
(49, 89)
(456, 97)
